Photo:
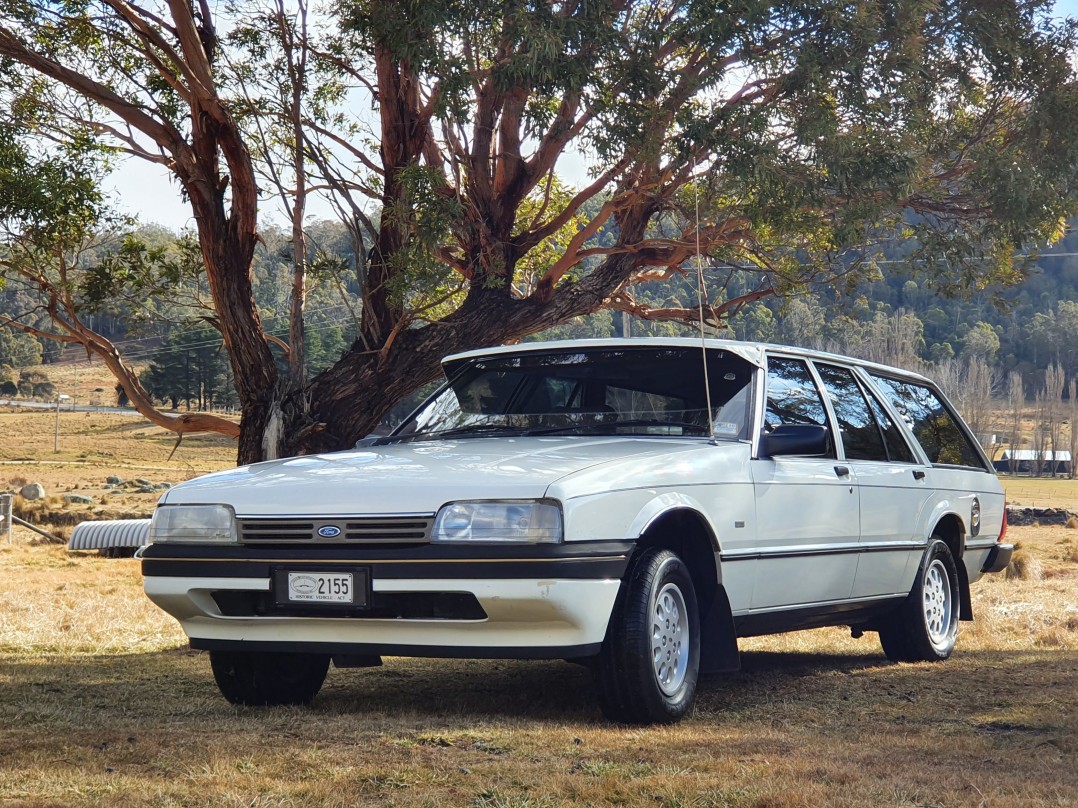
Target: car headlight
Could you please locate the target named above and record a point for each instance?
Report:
(508, 522)
(193, 523)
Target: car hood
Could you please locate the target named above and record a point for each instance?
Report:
(412, 478)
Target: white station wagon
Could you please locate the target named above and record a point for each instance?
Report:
(636, 504)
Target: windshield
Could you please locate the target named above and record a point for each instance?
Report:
(631, 391)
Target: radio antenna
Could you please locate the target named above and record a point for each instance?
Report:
(701, 294)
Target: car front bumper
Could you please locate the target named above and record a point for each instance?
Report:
(510, 602)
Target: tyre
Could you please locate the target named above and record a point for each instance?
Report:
(267, 679)
(924, 628)
(649, 663)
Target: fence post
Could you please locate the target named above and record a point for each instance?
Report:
(5, 514)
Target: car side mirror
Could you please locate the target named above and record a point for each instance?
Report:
(370, 440)
(795, 439)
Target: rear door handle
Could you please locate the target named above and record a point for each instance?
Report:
(918, 474)
(842, 471)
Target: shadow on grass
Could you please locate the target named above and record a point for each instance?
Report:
(1004, 693)
(807, 663)
(178, 683)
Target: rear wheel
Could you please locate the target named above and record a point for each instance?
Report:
(266, 679)
(650, 660)
(925, 627)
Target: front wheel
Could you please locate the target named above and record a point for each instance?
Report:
(650, 660)
(925, 627)
(267, 679)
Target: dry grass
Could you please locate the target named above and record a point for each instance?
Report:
(1024, 566)
(101, 703)
(1041, 492)
(94, 446)
(74, 604)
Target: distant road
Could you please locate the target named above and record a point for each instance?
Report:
(44, 405)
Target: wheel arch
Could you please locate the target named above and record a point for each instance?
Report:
(687, 532)
(951, 530)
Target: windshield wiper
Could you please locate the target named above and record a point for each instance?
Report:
(473, 429)
(617, 427)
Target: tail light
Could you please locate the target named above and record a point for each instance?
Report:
(1003, 529)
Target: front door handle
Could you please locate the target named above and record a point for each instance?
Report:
(918, 474)
(842, 471)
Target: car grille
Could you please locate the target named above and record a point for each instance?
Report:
(366, 530)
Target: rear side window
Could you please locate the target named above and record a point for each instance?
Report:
(861, 436)
(932, 423)
(897, 449)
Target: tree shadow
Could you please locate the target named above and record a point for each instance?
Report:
(156, 686)
(977, 691)
(180, 682)
(481, 689)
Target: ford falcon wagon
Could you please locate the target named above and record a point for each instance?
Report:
(637, 505)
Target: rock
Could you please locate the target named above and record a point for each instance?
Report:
(113, 480)
(33, 491)
(1041, 516)
(145, 489)
(78, 499)
(163, 486)
(142, 482)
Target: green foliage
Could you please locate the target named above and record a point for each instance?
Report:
(48, 200)
(17, 349)
(427, 216)
(981, 342)
(34, 384)
(755, 324)
(137, 268)
(325, 344)
(191, 368)
(846, 149)
(554, 195)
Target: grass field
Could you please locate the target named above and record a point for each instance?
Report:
(101, 703)
(1042, 492)
(93, 447)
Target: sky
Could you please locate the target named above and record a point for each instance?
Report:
(148, 191)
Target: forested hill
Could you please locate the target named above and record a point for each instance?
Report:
(902, 319)
(1036, 325)
(897, 319)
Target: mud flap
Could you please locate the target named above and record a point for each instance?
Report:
(718, 652)
(965, 602)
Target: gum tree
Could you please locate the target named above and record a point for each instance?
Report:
(786, 143)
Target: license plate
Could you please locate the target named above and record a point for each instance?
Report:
(346, 587)
(320, 587)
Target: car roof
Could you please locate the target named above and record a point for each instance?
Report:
(752, 352)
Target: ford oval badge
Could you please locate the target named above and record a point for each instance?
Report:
(329, 531)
